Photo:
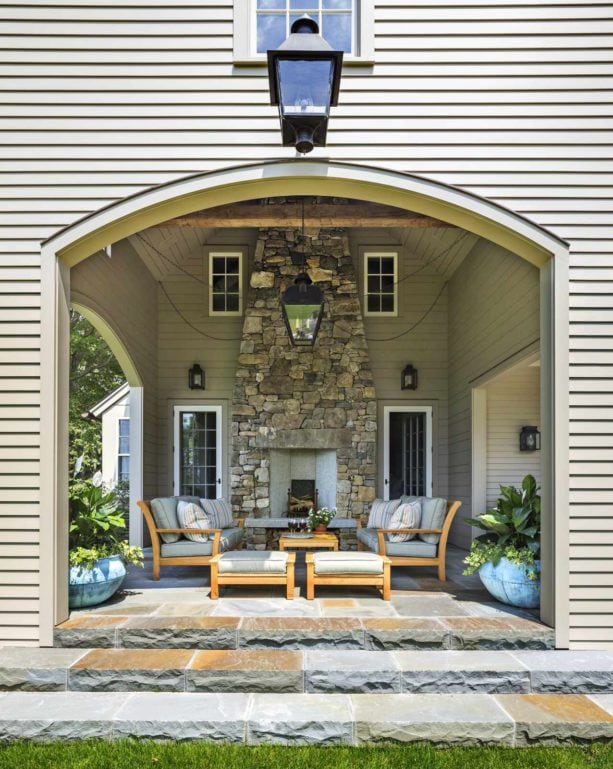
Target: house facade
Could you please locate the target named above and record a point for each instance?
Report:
(458, 220)
(113, 412)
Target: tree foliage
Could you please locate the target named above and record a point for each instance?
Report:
(94, 372)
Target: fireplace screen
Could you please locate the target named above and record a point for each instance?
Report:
(301, 497)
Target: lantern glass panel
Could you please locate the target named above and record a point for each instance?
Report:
(303, 320)
(305, 87)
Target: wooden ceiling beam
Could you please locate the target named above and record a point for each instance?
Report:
(328, 215)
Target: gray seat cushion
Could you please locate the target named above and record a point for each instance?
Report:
(433, 511)
(230, 538)
(253, 562)
(414, 548)
(347, 563)
(164, 510)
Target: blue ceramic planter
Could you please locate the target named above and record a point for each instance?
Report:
(509, 583)
(89, 587)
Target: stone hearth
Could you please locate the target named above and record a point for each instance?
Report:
(320, 398)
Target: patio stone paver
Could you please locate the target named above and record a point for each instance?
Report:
(32, 669)
(58, 715)
(300, 719)
(301, 633)
(492, 633)
(351, 671)
(264, 607)
(200, 632)
(442, 719)
(183, 609)
(556, 718)
(127, 609)
(86, 631)
(576, 672)
(210, 717)
(428, 606)
(604, 701)
(245, 671)
(403, 633)
(462, 671)
(130, 670)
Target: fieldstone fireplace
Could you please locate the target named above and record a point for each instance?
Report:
(306, 412)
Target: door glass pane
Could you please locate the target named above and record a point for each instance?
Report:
(198, 453)
(407, 454)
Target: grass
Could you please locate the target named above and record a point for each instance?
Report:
(143, 755)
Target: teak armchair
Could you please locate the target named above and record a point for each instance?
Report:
(178, 560)
(414, 560)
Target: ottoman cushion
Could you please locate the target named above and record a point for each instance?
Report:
(347, 563)
(253, 562)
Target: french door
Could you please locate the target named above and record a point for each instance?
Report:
(407, 455)
(197, 451)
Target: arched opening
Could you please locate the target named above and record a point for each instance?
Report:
(492, 223)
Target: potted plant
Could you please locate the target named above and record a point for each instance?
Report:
(98, 551)
(318, 520)
(507, 555)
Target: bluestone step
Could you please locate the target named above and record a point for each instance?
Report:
(314, 671)
(309, 719)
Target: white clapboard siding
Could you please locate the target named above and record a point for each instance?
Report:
(510, 100)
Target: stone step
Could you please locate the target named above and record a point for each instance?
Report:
(301, 633)
(318, 719)
(315, 671)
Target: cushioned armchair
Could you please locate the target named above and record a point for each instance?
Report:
(429, 546)
(168, 541)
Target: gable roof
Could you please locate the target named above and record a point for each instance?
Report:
(109, 401)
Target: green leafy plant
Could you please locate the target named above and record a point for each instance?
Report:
(97, 526)
(321, 516)
(512, 529)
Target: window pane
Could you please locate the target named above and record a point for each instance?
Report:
(232, 266)
(232, 284)
(336, 4)
(337, 31)
(123, 469)
(270, 31)
(124, 427)
(219, 304)
(374, 303)
(387, 303)
(387, 266)
(232, 303)
(218, 284)
(374, 284)
(219, 265)
(387, 283)
(373, 265)
(124, 445)
(300, 5)
(271, 4)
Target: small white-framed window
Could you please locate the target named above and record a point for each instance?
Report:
(260, 25)
(225, 282)
(380, 283)
(123, 450)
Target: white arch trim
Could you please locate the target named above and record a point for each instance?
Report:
(304, 177)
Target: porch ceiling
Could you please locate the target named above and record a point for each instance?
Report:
(427, 244)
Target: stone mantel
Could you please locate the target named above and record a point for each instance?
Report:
(304, 438)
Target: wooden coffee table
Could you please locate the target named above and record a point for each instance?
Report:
(325, 541)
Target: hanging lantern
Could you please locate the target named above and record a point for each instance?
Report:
(304, 76)
(408, 378)
(529, 439)
(195, 378)
(303, 307)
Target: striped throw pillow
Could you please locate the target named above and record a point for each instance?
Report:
(219, 511)
(191, 516)
(406, 516)
(381, 512)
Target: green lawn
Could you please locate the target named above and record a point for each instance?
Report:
(137, 755)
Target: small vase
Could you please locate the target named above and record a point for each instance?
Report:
(321, 528)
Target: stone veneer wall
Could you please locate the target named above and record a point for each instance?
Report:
(319, 397)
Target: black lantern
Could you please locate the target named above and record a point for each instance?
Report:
(304, 76)
(303, 306)
(529, 439)
(196, 377)
(408, 378)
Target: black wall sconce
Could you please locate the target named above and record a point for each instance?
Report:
(195, 377)
(408, 378)
(529, 438)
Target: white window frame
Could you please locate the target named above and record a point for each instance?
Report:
(387, 410)
(386, 255)
(245, 34)
(119, 454)
(226, 253)
(176, 445)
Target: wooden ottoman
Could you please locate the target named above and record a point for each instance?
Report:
(348, 568)
(253, 567)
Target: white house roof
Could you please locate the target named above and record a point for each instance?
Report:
(110, 400)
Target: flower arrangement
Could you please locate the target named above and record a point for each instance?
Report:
(321, 517)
